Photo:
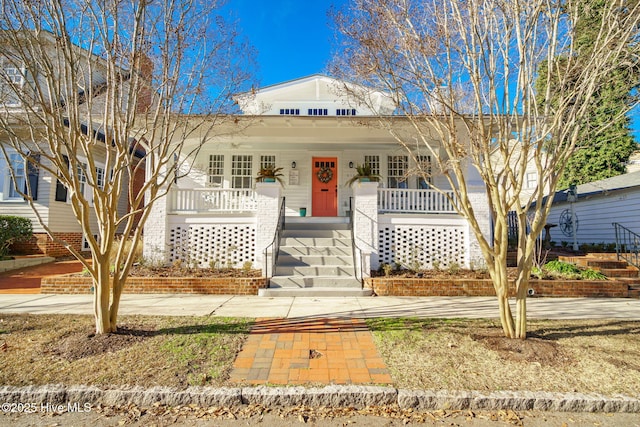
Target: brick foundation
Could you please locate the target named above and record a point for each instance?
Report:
(41, 243)
(162, 285)
(478, 287)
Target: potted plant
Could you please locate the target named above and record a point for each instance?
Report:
(363, 174)
(270, 173)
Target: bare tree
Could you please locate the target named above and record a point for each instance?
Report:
(463, 74)
(106, 91)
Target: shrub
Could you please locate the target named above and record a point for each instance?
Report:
(13, 229)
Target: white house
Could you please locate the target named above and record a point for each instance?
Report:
(217, 214)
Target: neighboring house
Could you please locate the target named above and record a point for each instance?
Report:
(51, 198)
(218, 215)
(598, 206)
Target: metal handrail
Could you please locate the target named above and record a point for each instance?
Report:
(627, 244)
(354, 248)
(275, 243)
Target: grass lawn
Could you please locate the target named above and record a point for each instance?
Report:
(592, 356)
(459, 354)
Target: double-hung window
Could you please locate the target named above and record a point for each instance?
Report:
(241, 171)
(424, 172)
(397, 171)
(15, 183)
(215, 176)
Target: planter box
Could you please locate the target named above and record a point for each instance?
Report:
(159, 285)
(484, 287)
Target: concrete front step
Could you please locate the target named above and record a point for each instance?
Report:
(314, 292)
(286, 260)
(338, 234)
(316, 241)
(301, 282)
(315, 259)
(316, 251)
(307, 271)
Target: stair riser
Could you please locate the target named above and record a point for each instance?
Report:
(296, 251)
(340, 234)
(311, 282)
(314, 292)
(313, 261)
(339, 271)
(315, 241)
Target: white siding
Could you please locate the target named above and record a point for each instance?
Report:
(597, 213)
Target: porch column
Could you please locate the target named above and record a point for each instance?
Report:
(156, 232)
(480, 203)
(268, 208)
(365, 223)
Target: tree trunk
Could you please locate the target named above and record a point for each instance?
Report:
(102, 283)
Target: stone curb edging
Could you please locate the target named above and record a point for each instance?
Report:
(332, 396)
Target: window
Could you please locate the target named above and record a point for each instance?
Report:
(424, 172)
(11, 80)
(346, 112)
(290, 111)
(396, 171)
(216, 171)
(241, 168)
(266, 161)
(374, 163)
(532, 180)
(15, 182)
(86, 191)
(317, 112)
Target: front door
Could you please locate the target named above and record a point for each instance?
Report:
(325, 186)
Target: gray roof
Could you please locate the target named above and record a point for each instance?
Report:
(627, 180)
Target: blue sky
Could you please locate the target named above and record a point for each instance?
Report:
(293, 37)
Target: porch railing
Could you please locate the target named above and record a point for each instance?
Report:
(627, 245)
(414, 201)
(196, 200)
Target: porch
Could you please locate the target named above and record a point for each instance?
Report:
(232, 227)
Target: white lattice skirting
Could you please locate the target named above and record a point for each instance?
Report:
(213, 245)
(422, 247)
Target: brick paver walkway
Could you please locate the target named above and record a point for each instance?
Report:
(27, 280)
(299, 351)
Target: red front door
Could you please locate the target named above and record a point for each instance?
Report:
(325, 186)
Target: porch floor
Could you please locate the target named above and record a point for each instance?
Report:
(318, 350)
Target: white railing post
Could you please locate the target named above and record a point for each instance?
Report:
(267, 208)
(365, 223)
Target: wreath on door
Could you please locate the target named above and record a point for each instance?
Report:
(325, 175)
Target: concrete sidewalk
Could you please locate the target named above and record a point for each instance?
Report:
(348, 307)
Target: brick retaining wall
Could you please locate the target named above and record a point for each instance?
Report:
(484, 287)
(162, 285)
(381, 286)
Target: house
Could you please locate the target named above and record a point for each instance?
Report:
(51, 198)
(216, 214)
(599, 204)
